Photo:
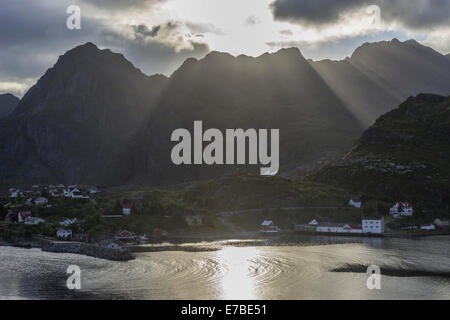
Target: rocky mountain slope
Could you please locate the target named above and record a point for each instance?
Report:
(274, 91)
(95, 118)
(404, 155)
(7, 104)
(79, 115)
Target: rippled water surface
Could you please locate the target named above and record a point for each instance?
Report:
(253, 272)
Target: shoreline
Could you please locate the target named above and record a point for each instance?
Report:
(81, 248)
(195, 243)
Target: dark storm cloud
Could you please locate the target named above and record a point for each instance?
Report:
(153, 56)
(312, 11)
(33, 34)
(142, 31)
(414, 14)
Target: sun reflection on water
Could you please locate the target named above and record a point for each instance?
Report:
(237, 282)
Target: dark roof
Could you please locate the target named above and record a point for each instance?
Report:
(372, 218)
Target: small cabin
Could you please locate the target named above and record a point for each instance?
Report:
(126, 209)
(404, 209)
(269, 226)
(64, 234)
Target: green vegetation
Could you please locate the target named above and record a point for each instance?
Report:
(404, 156)
(251, 191)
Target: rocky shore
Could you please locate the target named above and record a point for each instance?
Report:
(92, 250)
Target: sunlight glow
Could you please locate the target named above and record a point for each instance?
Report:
(242, 27)
(238, 282)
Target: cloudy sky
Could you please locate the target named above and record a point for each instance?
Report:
(157, 35)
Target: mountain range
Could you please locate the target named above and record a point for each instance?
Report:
(95, 118)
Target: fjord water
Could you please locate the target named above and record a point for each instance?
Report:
(249, 272)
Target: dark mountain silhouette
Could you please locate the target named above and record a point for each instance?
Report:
(77, 117)
(279, 90)
(95, 118)
(404, 68)
(404, 155)
(7, 104)
(381, 75)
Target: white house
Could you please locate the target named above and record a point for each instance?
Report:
(355, 202)
(64, 234)
(69, 191)
(125, 235)
(126, 209)
(94, 190)
(331, 227)
(41, 201)
(23, 215)
(33, 221)
(54, 193)
(269, 226)
(66, 193)
(428, 227)
(15, 193)
(78, 195)
(403, 209)
(373, 225)
(68, 222)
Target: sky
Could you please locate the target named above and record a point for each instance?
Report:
(158, 35)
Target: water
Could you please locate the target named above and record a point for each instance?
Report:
(253, 272)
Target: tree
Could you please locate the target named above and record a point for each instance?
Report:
(118, 206)
(134, 210)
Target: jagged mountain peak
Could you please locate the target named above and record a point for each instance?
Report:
(371, 47)
(292, 51)
(218, 57)
(86, 71)
(95, 118)
(88, 55)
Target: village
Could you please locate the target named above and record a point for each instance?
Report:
(73, 213)
(94, 215)
(370, 225)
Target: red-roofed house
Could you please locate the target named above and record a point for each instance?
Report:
(23, 215)
(126, 209)
(403, 209)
